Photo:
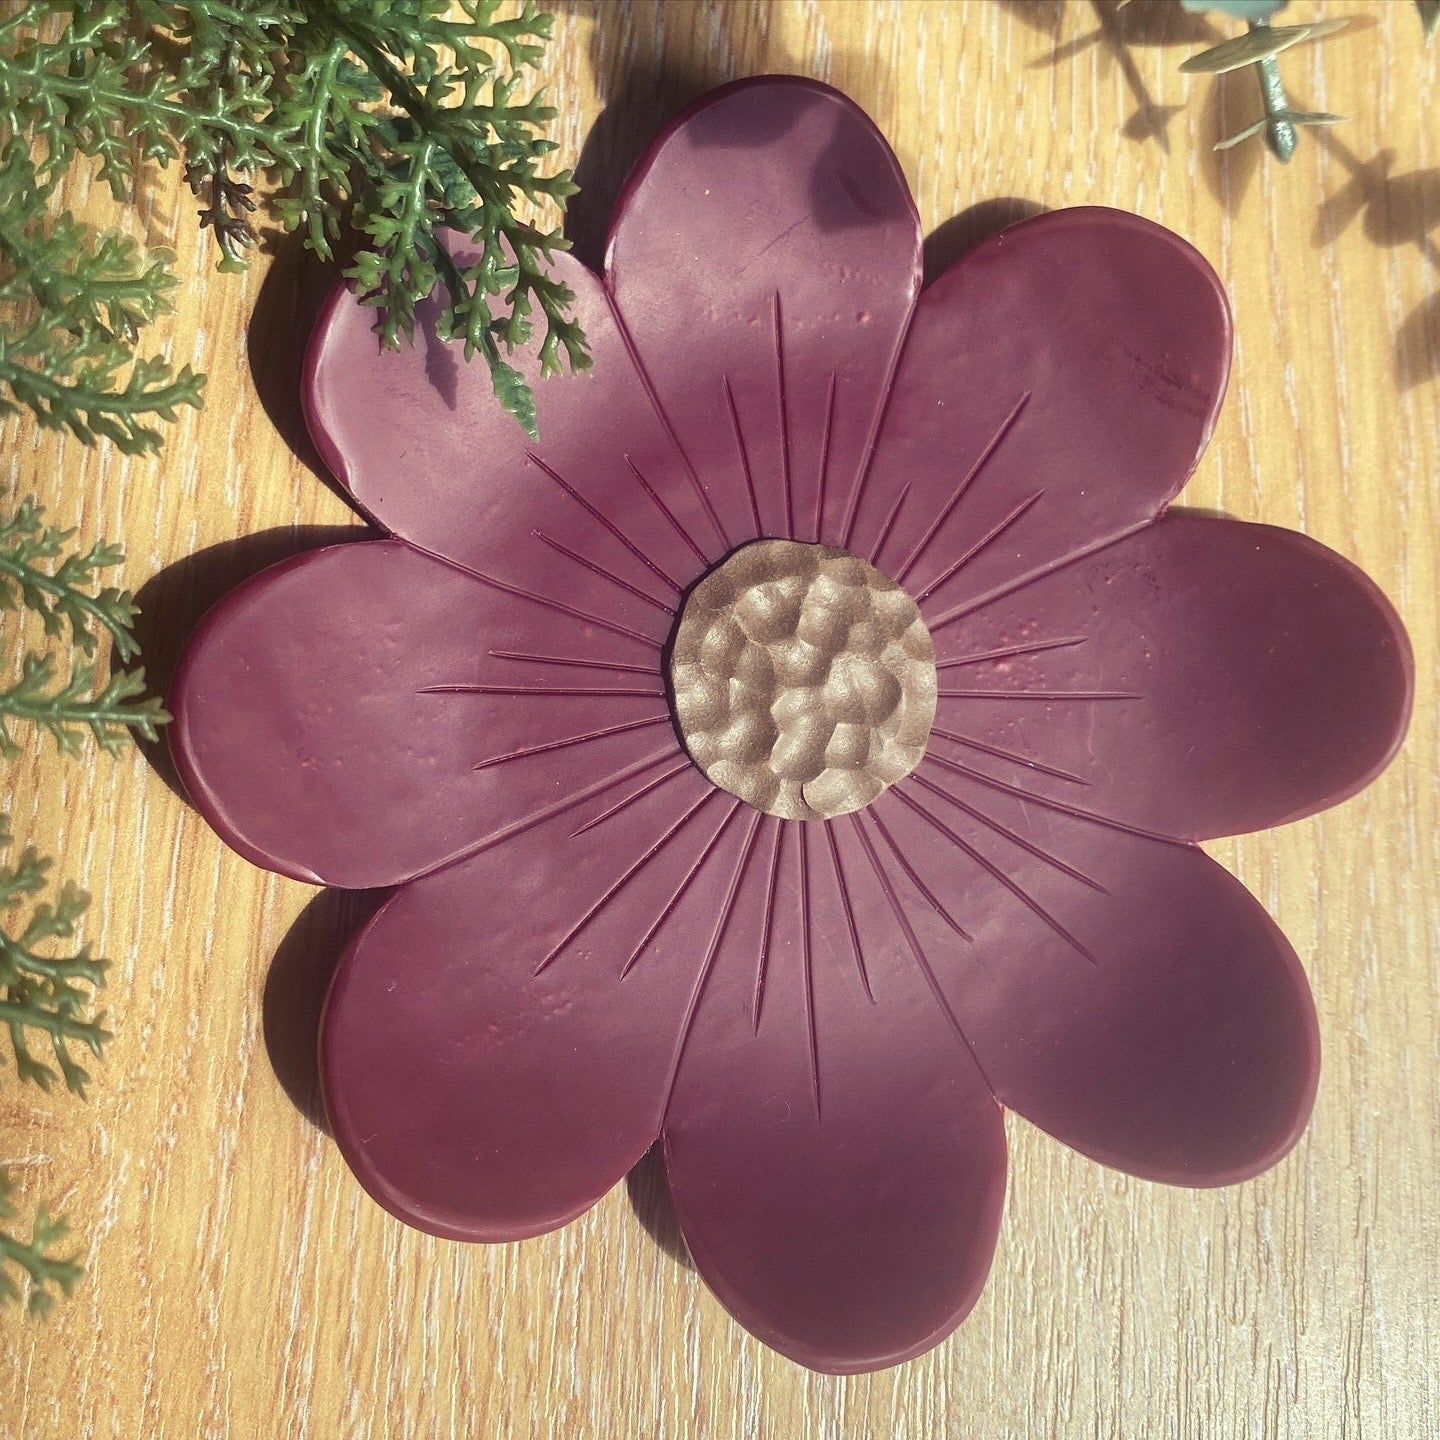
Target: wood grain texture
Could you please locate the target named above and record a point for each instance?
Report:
(241, 1285)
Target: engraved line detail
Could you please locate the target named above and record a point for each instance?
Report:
(703, 978)
(605, 900)
(986, 454)
(916, 881)
(845, 901)
(996, 873)
(825, 459)
(653, 395)
(809, 970)
(566, 691)
(1074, 811)
(766, 932)
(1040, 572)
(604, 520)
(545, 602)
(630, 799)
(1034, 647)
(911, 939)
(669, 907)
(982, 543)
(565, 744)
(667, 512)
(892, 517)
(744, 455)
(1029, 846)
(615, 665)
(1012, 756)
(784, 419)
(519, 827)
(596, 569)
(1038, 695)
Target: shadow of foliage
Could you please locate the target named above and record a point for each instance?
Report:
(1394, 211)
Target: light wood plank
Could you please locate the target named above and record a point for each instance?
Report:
(239, 1282)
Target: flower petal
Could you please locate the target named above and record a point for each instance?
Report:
(493, 1054)
(765, 262)
(361, 714)
(417, 436)
(836, 1158)
(1202, 677)
(1121, 991)
(1058, 386)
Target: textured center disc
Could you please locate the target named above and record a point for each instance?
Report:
(803, 679)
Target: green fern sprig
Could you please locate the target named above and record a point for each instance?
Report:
(64, 593)
(45, 993)
(41, 1272)
(401, 119)
(37, 575)
(67, 711)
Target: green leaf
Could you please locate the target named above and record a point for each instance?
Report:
(1237, 9)
(1283, 117)
(1258, 44)
(1429, 17)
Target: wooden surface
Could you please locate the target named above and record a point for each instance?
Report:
(241, 1285)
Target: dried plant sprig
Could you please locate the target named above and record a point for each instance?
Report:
(1262, 41)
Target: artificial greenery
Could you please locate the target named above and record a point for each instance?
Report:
(397, 119)
(1259, 46)
(41, 994)
(38, 576)
(46, 999)
(41, 1271)
(380, 124)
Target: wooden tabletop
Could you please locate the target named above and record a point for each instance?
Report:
(239, 1282)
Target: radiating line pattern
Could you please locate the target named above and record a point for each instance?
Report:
(987, 453)
(768, 927)
(786, 868)
(784, 408)
(996, 872)
(605, 900)
(595, 568)
(776, 859)
(604, 520)
(744, 450)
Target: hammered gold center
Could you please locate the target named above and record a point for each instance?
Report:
(803, 679)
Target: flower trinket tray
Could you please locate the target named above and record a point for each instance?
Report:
(797, 755)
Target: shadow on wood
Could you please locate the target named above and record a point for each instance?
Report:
(295, 990)
(1119, 26)
(294, 288)
(649, 1194)
(1396, 211)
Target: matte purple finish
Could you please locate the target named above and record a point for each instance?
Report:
(593, 947)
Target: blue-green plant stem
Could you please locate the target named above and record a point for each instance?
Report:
(1281, 135)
